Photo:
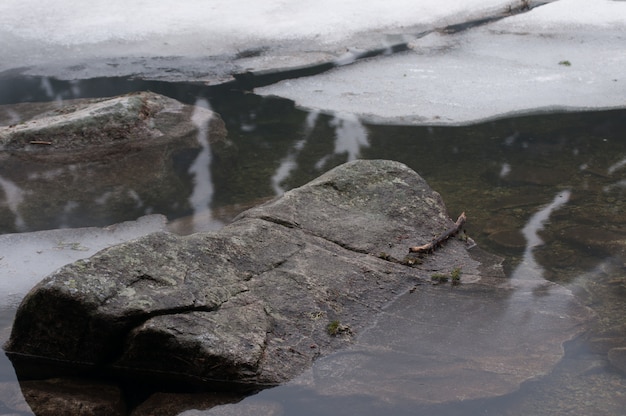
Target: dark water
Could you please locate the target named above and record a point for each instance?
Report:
(499, 172)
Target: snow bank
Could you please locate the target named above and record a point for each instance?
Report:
(73, 22)
(81, 39)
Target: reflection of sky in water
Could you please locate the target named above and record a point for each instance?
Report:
(529, 268)
(527, 280)
(509, 140)
(506, 169)
(616, 166)
(620, 184)
(202, 193)
(350, 137)
(288, 163)
(13, 198)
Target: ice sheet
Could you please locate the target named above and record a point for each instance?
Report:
(520, 64)
(26, 258)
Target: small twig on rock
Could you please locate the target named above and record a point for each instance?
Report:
(441, 238)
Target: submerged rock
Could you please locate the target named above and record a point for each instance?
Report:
(250, 305)
(99, 161)
(617, 357)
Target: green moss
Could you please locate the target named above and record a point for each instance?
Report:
(565, 63)
(454, 275)
(333, 328)
(439, 278)
(412, 260)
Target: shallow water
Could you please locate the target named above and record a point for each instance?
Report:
(507, 175)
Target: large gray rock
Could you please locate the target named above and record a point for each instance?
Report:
(251, 304)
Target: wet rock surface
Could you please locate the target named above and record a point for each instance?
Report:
(250, 305)
(93, 128)
(470, 331)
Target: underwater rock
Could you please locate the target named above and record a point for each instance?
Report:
(164, 403)
(249, 306)
(74, 397)
(597, 237)
(617, 357)
(512, 239)
(69, 165)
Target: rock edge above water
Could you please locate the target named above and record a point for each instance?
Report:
(90, 129)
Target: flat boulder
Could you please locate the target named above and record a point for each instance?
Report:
(93, 129)
(291, 282)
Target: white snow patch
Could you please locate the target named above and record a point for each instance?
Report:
(93, 38)
(568, 15)
(72, 22)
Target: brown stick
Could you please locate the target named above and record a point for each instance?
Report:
(441, 238)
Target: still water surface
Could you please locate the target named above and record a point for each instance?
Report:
(505, 174)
